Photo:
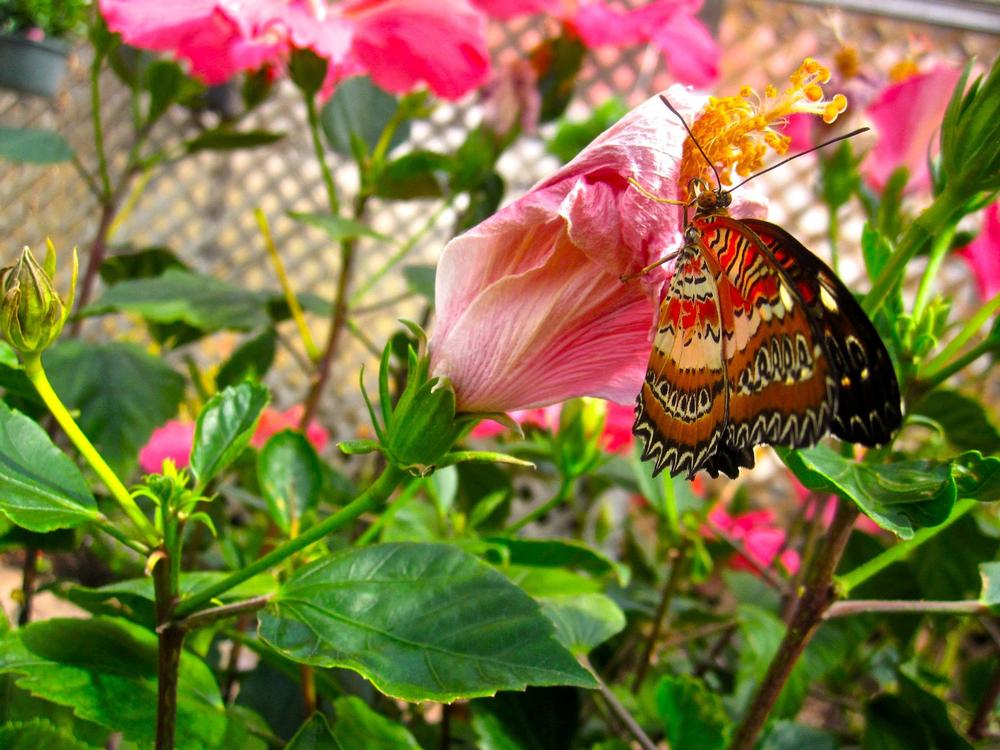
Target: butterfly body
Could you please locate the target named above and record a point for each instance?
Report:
(757, 341)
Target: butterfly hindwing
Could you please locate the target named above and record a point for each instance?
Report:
(868, 401)
(681, 409)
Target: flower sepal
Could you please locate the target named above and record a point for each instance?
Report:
(32, 313)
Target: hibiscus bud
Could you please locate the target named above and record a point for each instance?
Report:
(581, 434)
(32, 314)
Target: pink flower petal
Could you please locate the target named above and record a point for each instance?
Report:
(506, 9)
(273, 421)
(618, 436)
(983, 254)
(171, 441)
(907, 116)
(691, 51)
(405, 42)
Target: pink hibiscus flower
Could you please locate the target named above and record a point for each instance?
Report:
(669, 25)
(617, 437)
(400, 43)
(174, 439)
(763, 540)
(530, 304)
(983, 254)
(907, 116)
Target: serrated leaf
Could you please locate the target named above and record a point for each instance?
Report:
(224, 428)
(421, 621)
(583, 621)
(337, 227)
(182, 296)
(33, 146)
(38, 733)
(358, 727)
(40, 487)
(692, 715)
(290, 478)
(121, 393)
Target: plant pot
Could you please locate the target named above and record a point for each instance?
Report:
(30, 66)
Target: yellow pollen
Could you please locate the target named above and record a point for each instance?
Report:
(903, 70)
(847, 61)
(736, 132)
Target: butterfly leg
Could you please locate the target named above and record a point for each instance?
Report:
(627, 277)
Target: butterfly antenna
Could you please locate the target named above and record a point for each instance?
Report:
(718, 180)
(824, 144)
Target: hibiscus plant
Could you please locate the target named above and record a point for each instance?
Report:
(486, 562)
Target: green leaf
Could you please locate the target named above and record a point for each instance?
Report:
(785, 735)
(913, 720)
(141, 264)
(948, 564)
(250, 361)
(182, 296)
(40, 487)
(839, 178)
(990, 573)
(33, 146)
(224, 139)
(474, 160)
(38, 733)
(121, 392)
(692, 715)
(360, 109)
(98, 666)
(977, 477)
(358, 727)
(224, 428)
(899, 497)
(558, 61)
(314, 734)
(583, 621)
(163, 79)
(421, 279)
(290, 478)
(337, 227)
(418, 174)
(536, 719)
(560, 553)
(421, 621)
(963, 420)
(572, 137)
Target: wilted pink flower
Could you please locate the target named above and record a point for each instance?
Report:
(273, 421)
(173, 440)
(400, 43)
(761, 538)
(669, 25)
(530, 304)
(983, 254)
(907, 116)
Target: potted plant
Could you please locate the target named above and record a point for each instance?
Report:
(33, 46)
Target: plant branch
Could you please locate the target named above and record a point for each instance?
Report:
(374, 497)
(620, 712)
(943, 360)
(171, 642)
(565, 484)
(892, 606)
(662, 616)
(817, 596)
(980, 719)
(208, 616)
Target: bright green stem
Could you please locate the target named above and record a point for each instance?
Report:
(851, 580)
(970, 329)
(939, 249)
(958, 364)
(560, 497)
(940, 216)
(371, 499)
(314, 131)
(36, 374)
(408, 493)
(833, 235)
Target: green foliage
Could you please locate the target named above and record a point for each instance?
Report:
(359, 113)
(692, 714)
(56, 18)
(290, 477)
(571, 137)
(224, 428)
(34, 146)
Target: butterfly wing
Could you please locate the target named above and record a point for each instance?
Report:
(867, 401)
(681, 409)
(781, 384)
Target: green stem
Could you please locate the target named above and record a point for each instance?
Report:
(854, 578)
(833, 235)
(408, 493)
(36, 374)
(372, 498)
(983, 315)
(560, 497)
(939, 250)
(95, 115)
(662, 617)
(918, 606)
(943, 212)
(957, 365)
(314, 130)
(113, 531)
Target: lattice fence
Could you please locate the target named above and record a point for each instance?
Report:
(202, 206)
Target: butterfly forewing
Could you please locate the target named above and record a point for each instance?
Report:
(867, 393)
(681, 409)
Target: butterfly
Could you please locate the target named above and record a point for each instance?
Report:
(757, 341)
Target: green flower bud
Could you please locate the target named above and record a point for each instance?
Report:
(31, 313)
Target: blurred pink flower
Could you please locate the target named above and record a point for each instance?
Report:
(669, 25)
(531, 309)
(907, 117)
(983, 254)
(762, 539)
(173, 440)
(400, 43)
(273, 421)
(863, 523)
(547, 418)
(618, 428)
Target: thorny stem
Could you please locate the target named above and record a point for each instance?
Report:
(661, 618)
(817, 596)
